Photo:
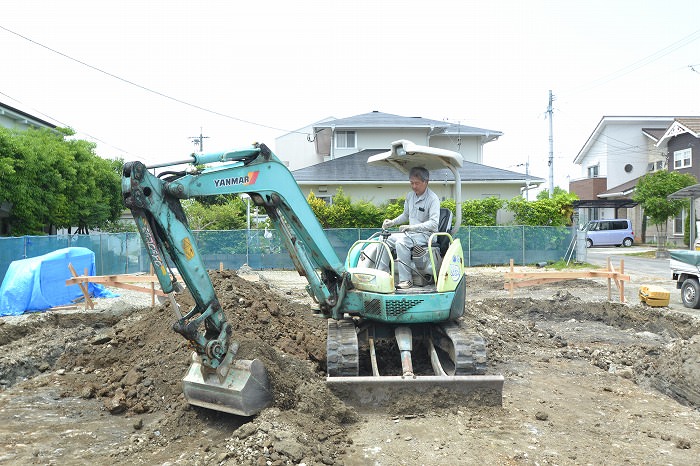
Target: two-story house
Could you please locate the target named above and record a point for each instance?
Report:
(681, 143)
(333, 153)
(618, 152)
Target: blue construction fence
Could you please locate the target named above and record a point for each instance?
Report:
(122, 253)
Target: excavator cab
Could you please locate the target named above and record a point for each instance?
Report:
(426, 261)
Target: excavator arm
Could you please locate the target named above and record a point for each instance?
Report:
(155, 204)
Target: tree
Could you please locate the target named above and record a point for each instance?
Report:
(225, 214)
(545, 211)
(52, 181)
(652, 195)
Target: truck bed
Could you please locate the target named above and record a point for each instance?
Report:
(683, 261)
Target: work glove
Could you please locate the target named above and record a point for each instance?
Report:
(405, 228)
(387, 224)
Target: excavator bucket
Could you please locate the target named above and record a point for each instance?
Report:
(243, 390)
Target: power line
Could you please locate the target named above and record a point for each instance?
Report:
(66, 125)
(641, 63)
(147, 89)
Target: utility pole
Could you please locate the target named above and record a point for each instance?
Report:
(199, 140)
(527, 178)
(551, 146)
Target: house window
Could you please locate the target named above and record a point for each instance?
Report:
(345, 139)
(678, 223)
(327, 199)
(593, 171)
(656, 166)
(681, 159)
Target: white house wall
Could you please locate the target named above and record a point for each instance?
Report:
(621, 142)
(380, 138)
(626, 144)
(13, 123)
(296, 150)
(597, 155)
(468, 146)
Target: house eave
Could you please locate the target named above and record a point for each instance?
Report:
(403, 183)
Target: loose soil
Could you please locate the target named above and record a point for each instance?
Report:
(587, 381)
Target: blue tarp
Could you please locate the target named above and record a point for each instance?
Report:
(39, 283)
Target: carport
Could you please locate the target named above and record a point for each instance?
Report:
(605, 204)
(692, 193)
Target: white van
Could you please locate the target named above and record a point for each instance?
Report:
(613, 232)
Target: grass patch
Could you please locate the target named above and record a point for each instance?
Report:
(647, 254)
(562, 265)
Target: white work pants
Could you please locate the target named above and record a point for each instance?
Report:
(402, 243)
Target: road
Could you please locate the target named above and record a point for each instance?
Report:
(642, 270)
(657, 268)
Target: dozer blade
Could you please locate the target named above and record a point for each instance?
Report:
(485, 390)
(244, 390)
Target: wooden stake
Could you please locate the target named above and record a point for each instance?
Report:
(153, 288)
(622, 282)
(83, 288)
(609, 281)
(511, 278)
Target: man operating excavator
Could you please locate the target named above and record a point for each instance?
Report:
(422, 212)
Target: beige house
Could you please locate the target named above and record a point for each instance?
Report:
(333, 153)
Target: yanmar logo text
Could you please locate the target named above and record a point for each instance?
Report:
(246, 180)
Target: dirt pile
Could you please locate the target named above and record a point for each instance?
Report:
(134, 365)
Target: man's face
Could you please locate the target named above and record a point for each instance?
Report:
(417, 185)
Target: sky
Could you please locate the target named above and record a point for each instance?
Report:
(141, 78)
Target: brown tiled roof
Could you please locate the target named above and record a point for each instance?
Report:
(692, 123)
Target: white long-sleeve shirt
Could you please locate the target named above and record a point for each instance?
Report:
(421, 212)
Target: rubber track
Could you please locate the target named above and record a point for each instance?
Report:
(470, 350)
(342, 349)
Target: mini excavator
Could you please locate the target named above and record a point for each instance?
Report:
(363, 308)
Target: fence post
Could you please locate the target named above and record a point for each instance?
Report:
(523, 246)
(469, 245)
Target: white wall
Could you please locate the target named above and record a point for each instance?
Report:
(380, 139)
(626, 145)
(621, 142)
(296, 150)
(469, 147)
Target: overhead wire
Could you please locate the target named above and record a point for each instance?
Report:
(66, 125)
(686, 40)
(147, 89)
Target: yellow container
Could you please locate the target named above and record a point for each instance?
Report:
(654, 296)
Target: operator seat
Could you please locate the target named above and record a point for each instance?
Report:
(444, 224)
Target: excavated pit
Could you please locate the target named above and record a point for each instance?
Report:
(84, 386)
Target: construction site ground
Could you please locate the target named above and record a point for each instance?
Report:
(587, 381)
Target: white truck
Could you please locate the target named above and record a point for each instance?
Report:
(685, 266)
